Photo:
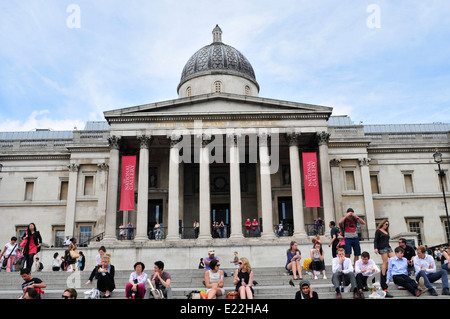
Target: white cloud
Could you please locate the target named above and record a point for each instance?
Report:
(127, 53)
(40, 120)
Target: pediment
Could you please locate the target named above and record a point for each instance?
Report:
(218, 104)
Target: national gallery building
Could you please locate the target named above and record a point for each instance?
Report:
(201, 165)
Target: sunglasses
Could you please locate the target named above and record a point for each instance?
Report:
(65, 297)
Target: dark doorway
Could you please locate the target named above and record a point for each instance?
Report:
(155, 214)
(285, 216)
(220, 219)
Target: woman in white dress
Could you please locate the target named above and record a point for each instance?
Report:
(214, 280)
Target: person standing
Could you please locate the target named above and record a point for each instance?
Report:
(382, 247)
(196, 228)
(31, 244)
(10, 253)
(350, 227)
(334, 234)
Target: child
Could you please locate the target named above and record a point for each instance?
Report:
(398, 270)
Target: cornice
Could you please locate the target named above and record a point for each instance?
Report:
(217, 117)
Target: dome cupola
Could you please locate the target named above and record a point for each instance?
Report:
(218, 68)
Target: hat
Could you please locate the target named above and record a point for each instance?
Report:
(211, 251)
(304, 283)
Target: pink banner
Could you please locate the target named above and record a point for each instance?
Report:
(312, 194)
(127, 190)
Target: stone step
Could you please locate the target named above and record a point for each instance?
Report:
(273, 283)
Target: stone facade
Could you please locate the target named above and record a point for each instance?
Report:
(221, 154)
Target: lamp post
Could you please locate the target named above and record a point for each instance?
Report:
(438, 159)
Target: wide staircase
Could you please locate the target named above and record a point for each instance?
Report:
(272, 283)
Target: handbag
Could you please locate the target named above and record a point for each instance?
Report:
(232, 295)
(74, 254)
(157, 293)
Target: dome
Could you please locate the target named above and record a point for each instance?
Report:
(218, 58)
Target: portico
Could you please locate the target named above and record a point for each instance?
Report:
(213, 165)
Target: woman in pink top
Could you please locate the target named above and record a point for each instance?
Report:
(31, 244)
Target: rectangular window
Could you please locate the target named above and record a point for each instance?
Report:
(59, 237)
(29, 189)
(85, 235)
(408, 183)
(89, 185)
(64, 190)
(446, 228)
(416, 226)
(350, 180)
(374, 184)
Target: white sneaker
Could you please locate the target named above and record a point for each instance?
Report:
(315, 277)
(324, 277)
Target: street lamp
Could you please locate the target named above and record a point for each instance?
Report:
(438, 159)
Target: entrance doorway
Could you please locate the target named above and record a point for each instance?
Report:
(155, 214)
(220, 218)
(285, 216)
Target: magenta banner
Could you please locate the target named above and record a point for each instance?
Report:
(310, 172)
(127, 190)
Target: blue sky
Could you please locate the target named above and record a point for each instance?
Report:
(380, 62)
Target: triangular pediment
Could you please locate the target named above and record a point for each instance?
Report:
(218, 104)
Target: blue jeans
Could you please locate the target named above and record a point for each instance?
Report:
(429, 278)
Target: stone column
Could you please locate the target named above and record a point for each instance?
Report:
(71, 200)
(142, 201)
(102, 193)
(174, 189)
(266, 187)
(113, 187)
(368, 201)
(325, 178)
(204, 190)
(337, 189)
(296, 185)
(235, 188)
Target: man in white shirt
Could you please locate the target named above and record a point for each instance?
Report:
(425, 267)
(343, 271)
(67, 241)
(365, 268)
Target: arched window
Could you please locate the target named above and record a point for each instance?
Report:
(247, 90)
(188, 91)
(218, 87)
